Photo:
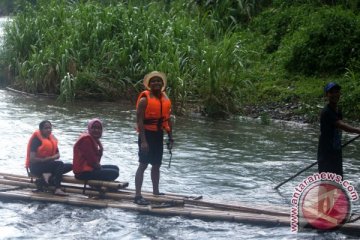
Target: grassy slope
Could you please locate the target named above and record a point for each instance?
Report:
(291, 95)
(215, 67)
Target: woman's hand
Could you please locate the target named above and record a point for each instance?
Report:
(52, 158)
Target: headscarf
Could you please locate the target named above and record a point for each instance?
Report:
(90, 124)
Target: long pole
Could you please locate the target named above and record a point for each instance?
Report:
(170, 152)
(311, 165)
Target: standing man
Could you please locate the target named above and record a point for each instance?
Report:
(331, 123)
(153, 109)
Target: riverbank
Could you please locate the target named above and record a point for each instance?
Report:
(273, 65)
(279, 111)
(264, 112)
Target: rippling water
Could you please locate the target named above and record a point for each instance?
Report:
(234, 161)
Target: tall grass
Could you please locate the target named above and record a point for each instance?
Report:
(102, 49)
(107, 49)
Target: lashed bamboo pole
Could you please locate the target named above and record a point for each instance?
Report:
(171, 195)
(79, 190)
(189, 211)
(71, 179)
(106, 184)
(163, 198)
(174, 211)
(126, 196)
(235, 208)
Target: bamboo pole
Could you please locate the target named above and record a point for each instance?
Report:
(172, 195)
(107, 184)
(249, 218)
(190, 211)
(17, 179)
(234, 208)
(163, 198)
(118, 196)
(70, 179)
(91, 192)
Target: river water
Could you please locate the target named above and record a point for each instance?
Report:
(232, 161)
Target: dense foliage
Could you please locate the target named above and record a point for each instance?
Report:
(220, 55)
(8, 7)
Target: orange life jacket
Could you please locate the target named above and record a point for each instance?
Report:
(80, 164)
(47, 148)
(157, 113)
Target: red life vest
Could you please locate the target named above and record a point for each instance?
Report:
(82, 163)
(47, 148)
(157, 113)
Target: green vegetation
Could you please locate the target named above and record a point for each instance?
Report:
(219, 55)
(8, 7)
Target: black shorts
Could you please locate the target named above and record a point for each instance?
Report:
(156, 148)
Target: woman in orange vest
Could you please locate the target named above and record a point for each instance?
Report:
(42, 157)
(88, 151)
(152, 118)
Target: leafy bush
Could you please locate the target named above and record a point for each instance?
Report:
(351, 92)
(326, 44)
(103, 51)
(232, 12)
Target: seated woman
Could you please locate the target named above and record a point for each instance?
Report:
(42, 157)
(88, 151)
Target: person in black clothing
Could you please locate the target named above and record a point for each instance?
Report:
(42, 157)
(331, 123)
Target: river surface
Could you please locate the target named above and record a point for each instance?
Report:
(234, 161)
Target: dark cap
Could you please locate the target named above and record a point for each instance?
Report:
(331, 85)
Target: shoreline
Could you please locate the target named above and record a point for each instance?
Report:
(265, 113)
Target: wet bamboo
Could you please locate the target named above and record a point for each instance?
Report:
(115, 185)
(216, 207)
(172, 195)
(235, 207)
(129, 196)
(80, 190)
(117, 196)
(71, 179)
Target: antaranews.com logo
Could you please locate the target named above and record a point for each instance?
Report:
(322, 201)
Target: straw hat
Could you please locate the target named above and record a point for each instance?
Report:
(154, 74)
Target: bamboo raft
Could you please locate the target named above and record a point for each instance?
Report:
(104, 194)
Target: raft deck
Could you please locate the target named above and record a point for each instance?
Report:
(104, 194)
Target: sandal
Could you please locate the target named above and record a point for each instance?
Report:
(59, 192)
(159, 194)
(40, 184)
(139, 200)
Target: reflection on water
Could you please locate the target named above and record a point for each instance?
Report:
(234, 161)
